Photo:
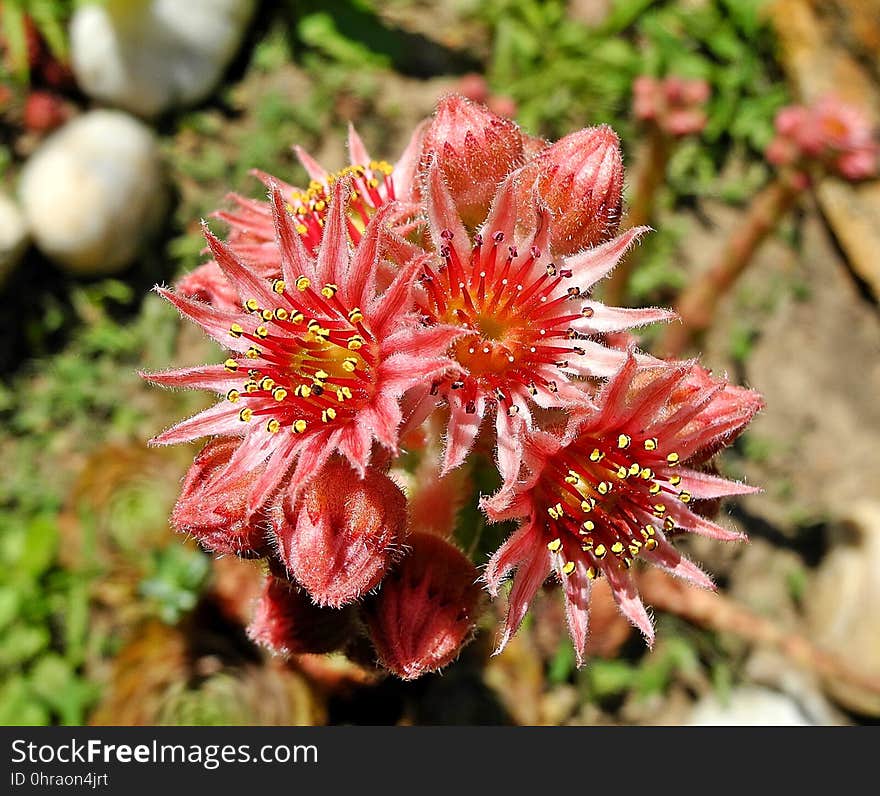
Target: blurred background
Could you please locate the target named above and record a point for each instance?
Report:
(123, 123)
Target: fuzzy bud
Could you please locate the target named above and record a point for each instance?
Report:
(342, 534)
(580, 179)
(426, 610)
(289, 623)
(475, 149)
(219, 521)
(673, 104)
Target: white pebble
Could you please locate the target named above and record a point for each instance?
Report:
(93, 193)
(148, 56)
(13, 236)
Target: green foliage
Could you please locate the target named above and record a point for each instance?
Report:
(49, 17)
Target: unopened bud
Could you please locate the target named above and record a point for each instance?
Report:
(426, 609)
(342, 533)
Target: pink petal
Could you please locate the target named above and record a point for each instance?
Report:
(221, 418)
(357, 152)
(707, 487)
(382, 419)
(430, 341)
(443, 215)
(509, 445)
(669, 559)
(516, 549)
(591, 265)
(395, 301)
(399, 372)
(208, 377)
(282, 460)
(355, 444)
(215, 322)
(404, 175)
(529, 577)
(295, 260)
(629, 602)
(577, 588)
(333, 254)
(616, 319)
(461, 432)
(314, 169)
(246, 282)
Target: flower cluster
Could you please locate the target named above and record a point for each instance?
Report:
(674, 104)
(830, 133)
(439, 308)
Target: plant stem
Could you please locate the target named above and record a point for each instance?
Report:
(699, 300)
(652, 174)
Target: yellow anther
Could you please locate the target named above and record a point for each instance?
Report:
(604, 487)
(343, 394)
(253, 353)
(654, 488)
(233, 396)
(297, 317)
(266, 383)
(252, 305)
(246, 414)
(600, 551)
(634, 468)
(329, 290)
(355, 315)
(626, 561)
(568, 568)
(231, 365)
(651, 544)
(281, 314)
(588, 525)
(303, 283)
(278, 286)
(328, 414)
(659, 509)
(355, 343)
(267, 315)
(349, 364)
(596, 455)
(622, 472)
(675, 480)
(623, 441)
(669, 524)
(251, 386)
(235, 330)
(634, 547)
(320, 206)
(302, 391)
(648, 530)
(684, 497)
(651, 444)
(617, 548)
(588, 505)
(555, 546)
(647, 473)
(553, 513)
(261, 331)
(273, 426)
(591, 573)
(321, 375)
(299, 426)
(279, 393)
(301, 228)
(672, 459)
(571, 479)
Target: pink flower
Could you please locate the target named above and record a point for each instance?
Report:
(342, 533)
(580, 180)
(374, 184)
(426, 610)
(615, 486)
(830, 133)
(475, 150)
(527, 320)
(673, 104)
(319, 361)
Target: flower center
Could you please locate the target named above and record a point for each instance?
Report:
(520, 317)
(597, 494)
(371, 187)
(310, 362)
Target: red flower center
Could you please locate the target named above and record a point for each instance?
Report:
(316, 359)
(595, 493)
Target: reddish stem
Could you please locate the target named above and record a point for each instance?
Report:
(699, 300)
(651, 176)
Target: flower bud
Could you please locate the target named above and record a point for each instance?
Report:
(673, 104)
(289, 623)
(580, 179)
(426, 610)
(475, 149)
(219, 521)
(342, 534)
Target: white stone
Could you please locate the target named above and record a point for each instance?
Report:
(748, 706)
(14, 236)
(151, 55)
(94, 192)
